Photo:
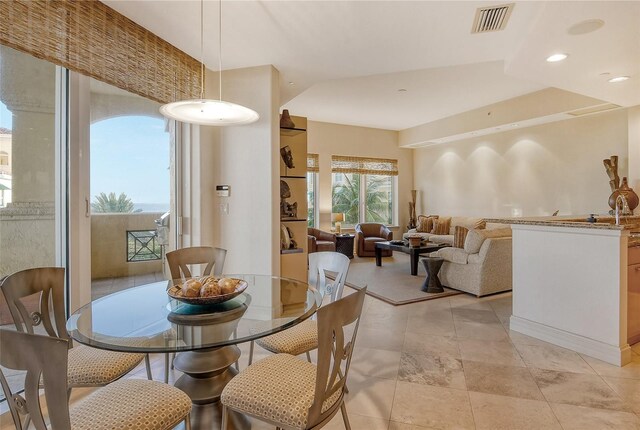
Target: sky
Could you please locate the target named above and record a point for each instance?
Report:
(128, 154)
(131, 155)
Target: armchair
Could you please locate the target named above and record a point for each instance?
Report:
(367, 234)
(319, 240)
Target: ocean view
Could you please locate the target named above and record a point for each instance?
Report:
(151, 207)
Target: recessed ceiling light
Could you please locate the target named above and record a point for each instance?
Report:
(291, 83)
(514, 125)
(556, 57)
(402, 90)
(585, 27)
(605, 74)
(618, 79)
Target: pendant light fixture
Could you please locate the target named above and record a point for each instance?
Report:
(209, 111)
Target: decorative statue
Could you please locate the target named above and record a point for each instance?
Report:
(286, 238)
(412, 210)
(611, 166)
(287, 210)
(287, 157)
(285, 120)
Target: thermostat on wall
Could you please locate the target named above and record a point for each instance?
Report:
(222, 190)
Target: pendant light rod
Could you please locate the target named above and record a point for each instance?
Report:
(202, 49)
(220, 49)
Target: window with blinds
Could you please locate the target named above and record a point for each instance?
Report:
(364, 189)
(313, 167)
(364, 166)
(313, 163)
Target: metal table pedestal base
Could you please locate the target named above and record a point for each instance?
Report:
(205, 375)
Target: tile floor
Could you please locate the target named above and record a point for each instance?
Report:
(453, 363)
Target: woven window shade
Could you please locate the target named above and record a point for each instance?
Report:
(90, 38)
(313, 165)
(367, 166)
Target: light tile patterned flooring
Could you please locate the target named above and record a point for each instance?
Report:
(453, 363)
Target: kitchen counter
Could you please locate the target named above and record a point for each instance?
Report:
(604, 222)
(570, 283)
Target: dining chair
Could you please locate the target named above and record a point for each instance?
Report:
(88, 367)
(290, 393)
(128, 403)
(179, 261)
(303, 337)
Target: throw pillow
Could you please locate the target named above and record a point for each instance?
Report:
(459, 236)
(475, 238)
(441, 226)
(425, 223)
(480, 224)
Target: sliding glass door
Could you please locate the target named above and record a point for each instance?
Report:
(130, 194)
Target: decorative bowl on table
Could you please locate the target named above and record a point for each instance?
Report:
(414, 240)
(207, 290)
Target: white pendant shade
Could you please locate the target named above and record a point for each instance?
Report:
(209, 112)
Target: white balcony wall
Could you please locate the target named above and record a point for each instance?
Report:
(109, 244)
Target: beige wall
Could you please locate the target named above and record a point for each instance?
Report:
(246, 158)
(328, 139)
(109, 245)
(634, 147)
(530, 171)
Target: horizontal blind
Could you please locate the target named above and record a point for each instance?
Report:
(313, 163)
(90, 38)
(367, 166)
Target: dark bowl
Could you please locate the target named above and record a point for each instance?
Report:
(175, 292)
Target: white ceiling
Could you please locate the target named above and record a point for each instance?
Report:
(347, 59)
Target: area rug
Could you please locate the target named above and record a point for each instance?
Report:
(392, 282)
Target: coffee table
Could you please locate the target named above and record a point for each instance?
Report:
(413, 251)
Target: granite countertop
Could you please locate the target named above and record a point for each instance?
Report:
(604, 222)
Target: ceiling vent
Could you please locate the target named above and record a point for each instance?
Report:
(491, 18)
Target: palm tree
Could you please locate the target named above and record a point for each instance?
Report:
(111, 204)
(378, 204)
(346, 199)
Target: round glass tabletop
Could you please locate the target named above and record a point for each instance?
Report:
(145, 319)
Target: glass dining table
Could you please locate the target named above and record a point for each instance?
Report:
(145, 319)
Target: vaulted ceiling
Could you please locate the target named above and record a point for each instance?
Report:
(345, 61)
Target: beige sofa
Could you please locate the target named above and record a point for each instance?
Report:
(482, 267)
(468, 222)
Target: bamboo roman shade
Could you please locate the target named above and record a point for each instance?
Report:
(313, 164)
(368, 166)
(92, 39)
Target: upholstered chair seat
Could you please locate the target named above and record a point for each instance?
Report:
(295, 341)
(94, 367)
(367, 234)
(278, 389)
(131, 404)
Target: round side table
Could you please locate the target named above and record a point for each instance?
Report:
(432, 266)
(344, 244)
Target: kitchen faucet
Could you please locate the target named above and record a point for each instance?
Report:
(625, 207)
